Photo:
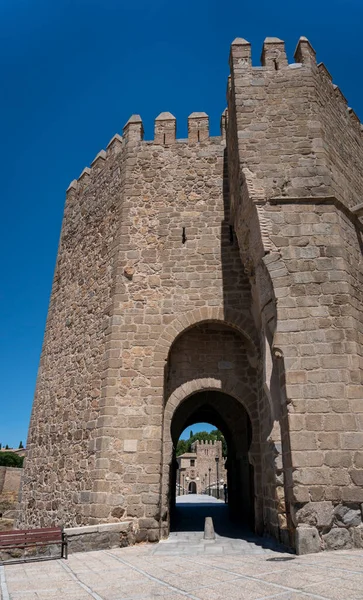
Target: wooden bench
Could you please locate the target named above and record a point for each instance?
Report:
(18, 539)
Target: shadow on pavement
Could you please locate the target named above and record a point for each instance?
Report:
(189, 516)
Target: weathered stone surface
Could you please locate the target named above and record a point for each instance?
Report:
(337, 539)
(347, 517)
(194, 468)
(357, 536)
(307, 540)
(318, 514)
(209, 533)
(106, 535)
(178, 258)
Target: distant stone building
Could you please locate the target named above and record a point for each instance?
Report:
(10, 480)
(201, 470)
(212, 279)
(10, 477)
(17, 451)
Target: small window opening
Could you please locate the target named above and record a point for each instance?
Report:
(164, 138)
(198, 135)
(231, 235)
(192, 462)
(184, 237)
(276, 64)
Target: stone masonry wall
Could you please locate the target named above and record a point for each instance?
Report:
(2, 477)
(148, 251)
(174, 257)
(206, 455)
(203, 455)
(210, 350)
(145, 243)
(311, 248)
(60, 461)
(342, 139)
(10, 478)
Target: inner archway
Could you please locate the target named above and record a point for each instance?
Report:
(192, 487)
(213, 374)
(228, 415)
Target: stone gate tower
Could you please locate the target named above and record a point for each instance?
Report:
(215, 279)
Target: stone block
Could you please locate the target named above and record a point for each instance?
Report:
(337, 539)
(347, 517)
(318, 514)
(357, 536)
(130, 445)
(307, 540)
(356, 476)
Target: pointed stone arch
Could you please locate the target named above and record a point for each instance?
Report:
(232, 387)
(242, 322)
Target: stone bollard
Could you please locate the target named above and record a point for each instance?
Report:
(209, 529)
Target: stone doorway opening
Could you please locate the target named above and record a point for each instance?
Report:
(213, 373)
(201, 454)
(192, 487)
(235, 470)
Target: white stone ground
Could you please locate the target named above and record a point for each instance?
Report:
(197, 499)
(136, 573)
(186, 566)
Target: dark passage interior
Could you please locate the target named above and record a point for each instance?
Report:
(236, 517)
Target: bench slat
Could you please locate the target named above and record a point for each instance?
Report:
(31, 535)
(29, 541)
(30, 531)
(22, 539)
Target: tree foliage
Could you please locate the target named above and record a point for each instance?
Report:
(10, 459)
(186, 445)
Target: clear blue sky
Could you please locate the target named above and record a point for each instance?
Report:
(72, 73)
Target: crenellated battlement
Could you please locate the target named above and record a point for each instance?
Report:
(273, 55)
(165, 127)
(303, 74)
(279, 105)
(173, 254)
(274, 58)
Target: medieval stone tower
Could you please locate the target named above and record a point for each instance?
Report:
(215, 279)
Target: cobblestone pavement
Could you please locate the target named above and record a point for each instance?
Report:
(139, 572)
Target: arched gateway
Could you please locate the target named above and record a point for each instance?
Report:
(213, 278)
(211, 375)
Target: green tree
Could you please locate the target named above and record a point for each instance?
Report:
(186, 445)
(10, 459)
(182, 447)
(21, 445)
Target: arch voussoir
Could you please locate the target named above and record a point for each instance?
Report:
(231, 318)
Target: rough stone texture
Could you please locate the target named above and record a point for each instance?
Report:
(337, 539)
(197, 470)
(347, 517)
(179, 257)
(209, 533)
(307, 540)
(319, 514)
(357, 537)
(113, 535)
(10, 479)
(293, 186)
